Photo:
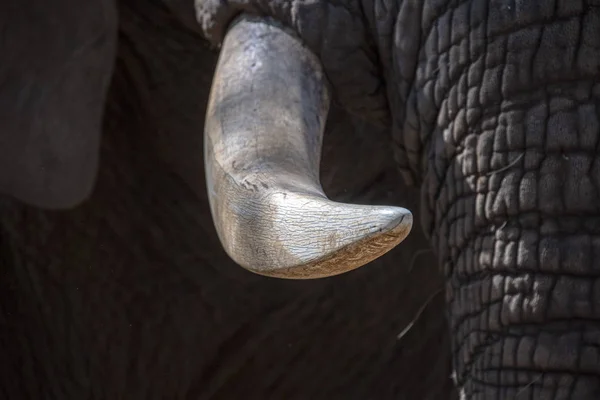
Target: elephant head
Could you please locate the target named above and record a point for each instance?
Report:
(494, 109)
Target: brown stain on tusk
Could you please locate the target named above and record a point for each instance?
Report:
(355, 255)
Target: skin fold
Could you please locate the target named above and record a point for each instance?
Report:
(493, 109)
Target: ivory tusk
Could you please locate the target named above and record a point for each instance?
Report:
(264, 129)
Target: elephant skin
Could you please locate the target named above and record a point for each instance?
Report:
(129, 295)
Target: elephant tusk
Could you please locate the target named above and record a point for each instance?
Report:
(263, 135)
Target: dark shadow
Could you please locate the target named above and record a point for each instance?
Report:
(131, 294)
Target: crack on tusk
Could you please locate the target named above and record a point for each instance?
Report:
(356, 254)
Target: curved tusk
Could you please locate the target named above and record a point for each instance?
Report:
(263, 134)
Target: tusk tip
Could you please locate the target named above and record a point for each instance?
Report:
(332, 238)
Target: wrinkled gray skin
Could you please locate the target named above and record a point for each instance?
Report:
(494, 112)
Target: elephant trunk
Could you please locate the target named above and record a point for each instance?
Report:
(512, 186)
(517, 223)
(263, 135)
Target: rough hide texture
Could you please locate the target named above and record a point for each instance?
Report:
(512, 185)
(495, 109)
(130, 296)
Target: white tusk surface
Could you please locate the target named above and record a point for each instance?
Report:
(264, 128)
